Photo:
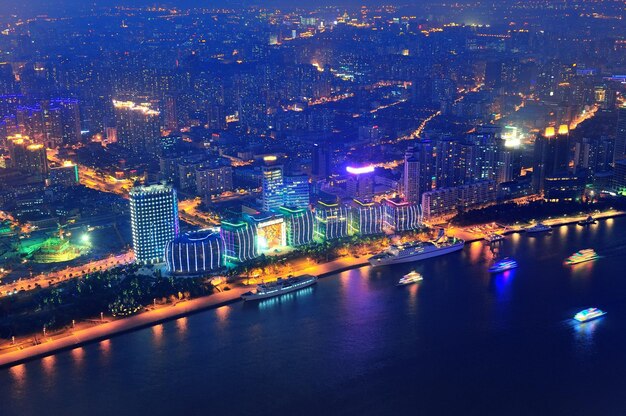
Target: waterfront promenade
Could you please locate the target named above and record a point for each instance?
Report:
(74, 338)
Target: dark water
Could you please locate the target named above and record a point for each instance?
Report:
(462, 342)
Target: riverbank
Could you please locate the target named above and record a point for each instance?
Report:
(71, 339)
(478, 232)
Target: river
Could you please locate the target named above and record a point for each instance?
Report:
(460, 342)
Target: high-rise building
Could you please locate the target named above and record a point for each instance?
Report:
(360, 183)
(212, 181)
(552, 155)
(321, 160)
(154, 221)
(367, 218)
(70, 119)
(299, 222)
(620, 136)
(138, 127)
(411, 176)
(272, 186)
(66, 175)
(296, 191)
(28, 157)
(331, 221)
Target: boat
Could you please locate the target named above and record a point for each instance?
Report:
(538, 228)
(589, 314)
(503, 265)
(280, 287)
(415, 251)
(582, 256)
(587, 221)
(493, 237)
(407, 279)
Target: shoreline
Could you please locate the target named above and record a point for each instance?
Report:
(163, 314)
(151, 318)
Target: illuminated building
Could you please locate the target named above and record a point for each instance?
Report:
(138, 126)
(619, 176)
(446, 201)
(239, 241)
(296, 191)
(56, 250)
(299, 224)
(272, 186)
(270, 231)
(27, 157)
(367, 218)
(360, 183)
(195, 253)
(402, 215)
(551, 156)
(211, 181)
(154, 221)
(331, 221)
(321, 160)
(66, 175)
(411, 176)
(70, 119)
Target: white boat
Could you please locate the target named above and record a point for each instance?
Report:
(407, 279)
(415, 251)
(582, 256)
(280, 287)
(589, 314)
(538, 228)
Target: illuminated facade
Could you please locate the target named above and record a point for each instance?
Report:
(331, 221)
(272, 187)
(367, 218)
(296, 191)
(66, 175)
(154, 221)
(270, 231)
(195, 253)
(239, 241)
(299, 225)
(402, 216)
(27, 156)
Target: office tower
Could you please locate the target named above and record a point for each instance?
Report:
(551, 156)
(66, 175)
(296, 191)
(411, 176)
(27, 157)
(272, 186)
(137, 127)
(620, 136)
(360, 183)
(154, 221)
(321, 161)
(170, 114)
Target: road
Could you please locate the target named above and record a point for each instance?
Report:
(46, 279)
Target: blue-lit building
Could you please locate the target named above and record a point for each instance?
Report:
(272, 187)
(154, 221)
(270, 234)
(402, 216)
(367, 218)
(299, 224)
(195, 253)
(296, 191)
(331, 221)
(239, 241)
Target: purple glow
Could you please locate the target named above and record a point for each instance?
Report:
(358, 170)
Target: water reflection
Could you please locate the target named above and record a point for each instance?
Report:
(502, 283)
(47, 363)
(18, 373)
(157, 334)
(181, 325)
(584, 333)
(78, 355)
(286, 298)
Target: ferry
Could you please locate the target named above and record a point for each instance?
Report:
(407, 279)
(538, 228)
(415, 251)
(589, 314)
(582, 256)
(503, 265)
(280, 287)
(588, 221)
(493, 237)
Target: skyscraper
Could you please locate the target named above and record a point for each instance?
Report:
(272, 186)
(154, 221)
(619, 151)
(296, 191)
(551, 156)
(138, 126)
(411, 176)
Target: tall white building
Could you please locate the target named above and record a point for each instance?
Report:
(154, 221)
(272, 187)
